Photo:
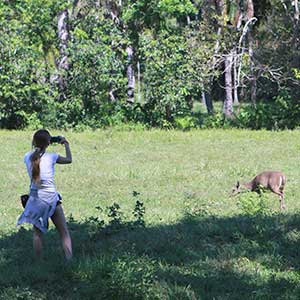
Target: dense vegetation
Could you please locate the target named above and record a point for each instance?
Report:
(166, 63)
(151, 218)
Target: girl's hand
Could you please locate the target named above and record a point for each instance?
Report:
(68, 158)
(63, 141)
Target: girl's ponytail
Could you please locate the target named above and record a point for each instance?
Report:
(41, 140)
(35, 159)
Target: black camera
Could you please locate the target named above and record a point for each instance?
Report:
(24, 199)
(55, 139)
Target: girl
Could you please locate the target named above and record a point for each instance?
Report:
(44, 201)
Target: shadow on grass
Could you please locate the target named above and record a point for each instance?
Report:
(197, 258)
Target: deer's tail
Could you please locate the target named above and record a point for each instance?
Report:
(283, 181)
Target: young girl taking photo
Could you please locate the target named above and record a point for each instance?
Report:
(44, 202)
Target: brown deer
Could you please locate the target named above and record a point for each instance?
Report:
(271, 180)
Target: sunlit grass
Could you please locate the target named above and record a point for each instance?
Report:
(198, 242)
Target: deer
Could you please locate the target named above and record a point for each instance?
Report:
(271, 180)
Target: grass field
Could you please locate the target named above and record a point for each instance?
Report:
(192, 242)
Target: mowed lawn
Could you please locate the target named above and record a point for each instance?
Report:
(194, 241)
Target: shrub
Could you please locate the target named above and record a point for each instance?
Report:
(253, 204)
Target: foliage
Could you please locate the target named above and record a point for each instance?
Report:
(117, 221)
(24, 73)
(253, 204)
(174, 67)
(283, 113)
(95, 68)
(178, 52)
(185, 123)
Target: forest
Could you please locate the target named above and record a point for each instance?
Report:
(153, 63)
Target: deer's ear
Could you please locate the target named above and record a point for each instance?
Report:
(238, 184)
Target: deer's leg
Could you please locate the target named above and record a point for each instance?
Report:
(258, 191)
(281, 198)
(282, 205)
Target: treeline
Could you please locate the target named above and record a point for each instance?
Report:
(166, 63)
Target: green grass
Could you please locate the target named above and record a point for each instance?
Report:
(197, 243)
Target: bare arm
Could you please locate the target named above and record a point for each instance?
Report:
(68, 158)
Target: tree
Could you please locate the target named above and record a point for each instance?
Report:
(63, 61)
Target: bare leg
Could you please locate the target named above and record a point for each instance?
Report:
(60, 223)
(37, 242)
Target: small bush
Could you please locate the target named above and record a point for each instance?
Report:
(253, 204)
(216, 120)
(186, 122)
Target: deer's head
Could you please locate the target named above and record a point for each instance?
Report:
(236, 189)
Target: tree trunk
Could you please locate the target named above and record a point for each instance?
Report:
(222, 10)
(114, 10)
(130, 75)
(235, 78)
(253, 92)
(111, 94)
(63, 64)
(168, 113)
(236, 55)
(250, 9)
(139, 82)
(253, 79)
(206, 94)
(206, 101)
(296, 40)
(188, 20)
(203, 98)
(228, 102)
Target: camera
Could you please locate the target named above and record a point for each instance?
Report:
(55, 139)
